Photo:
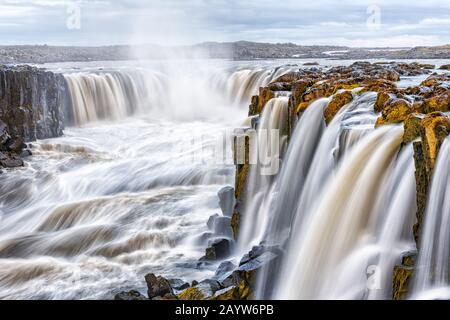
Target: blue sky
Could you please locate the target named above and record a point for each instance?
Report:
(173, 22)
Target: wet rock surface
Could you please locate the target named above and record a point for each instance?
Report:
(32, 106)
(157, 286)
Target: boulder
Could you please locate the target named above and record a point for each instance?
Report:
(220, 248)
(11, 162)
(339, 100)
(157, 286)
(129, 296)
(178, 284)
(201, 291)
(413, 127)
(438, 102)
(382, 98)
(445, 67)
(224, 267)
(395, 111)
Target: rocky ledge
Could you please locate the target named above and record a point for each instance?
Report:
(32, 104)
(421, 109)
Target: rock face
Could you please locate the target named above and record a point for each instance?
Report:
(157, 286)
(32, 104)
(403, 275)
(335, 105)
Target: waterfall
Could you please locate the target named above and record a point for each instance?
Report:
(326, 251)
(176, 92)
(112, 95)
(266, 149)
(432, 280)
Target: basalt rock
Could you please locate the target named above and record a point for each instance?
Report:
(157, 286)
(395, 111)
(382, 99)
(432, 129)
(265, 95)
(445, 67)
(218, 249)
(130, 296)
(339, 100)
(32, 102)
(403, 275)
(436, 128)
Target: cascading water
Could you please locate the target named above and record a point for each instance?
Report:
(113, 95)
(432, 280)
(344, 221)
(118, 197)
(266, 151)
(315, 195)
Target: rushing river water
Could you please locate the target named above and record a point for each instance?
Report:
(129, 188)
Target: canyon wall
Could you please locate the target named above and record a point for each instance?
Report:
(32, 106)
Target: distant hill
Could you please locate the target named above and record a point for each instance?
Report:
(241, 50)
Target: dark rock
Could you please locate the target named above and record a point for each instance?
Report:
(12, 162)
(129, 296)
(15, 145)
(247, 272)
(445, 67)
(26, 153)
(32, 102)
(4, 135)
(219, 249)
(224, 267)
(157, 286)
(178, 284)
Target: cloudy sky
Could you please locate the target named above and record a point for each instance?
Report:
(343, 22)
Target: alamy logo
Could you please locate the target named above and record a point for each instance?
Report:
(73, 21)
(374, 20)
(373, 277)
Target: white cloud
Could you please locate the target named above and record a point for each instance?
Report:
(189, 21)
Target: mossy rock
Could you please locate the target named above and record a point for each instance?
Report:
(193, 293)
(440, 102)
(437, 128)
(401, 282)
(413, 127)
(395, 111)
(382, 99)
(265, 95)
(339, 100)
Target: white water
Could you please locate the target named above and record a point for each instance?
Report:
(344, 204)
(432, 280)
(129, 190)
(329, 252)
